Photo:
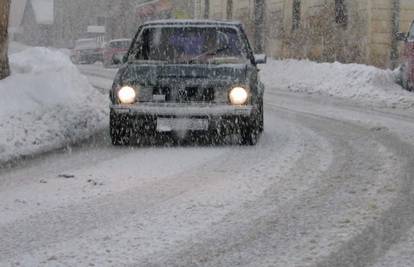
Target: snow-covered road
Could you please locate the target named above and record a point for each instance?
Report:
(329, 184)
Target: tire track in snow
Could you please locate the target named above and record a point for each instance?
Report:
(87, 213)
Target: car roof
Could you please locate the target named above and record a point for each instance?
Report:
(191, 22)
(120, 40)
(86, 39)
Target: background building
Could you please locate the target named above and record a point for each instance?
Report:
(36, 22)
(120, 18)
(360, 31)
(16, 14)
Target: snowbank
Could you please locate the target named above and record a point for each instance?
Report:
(46, 104)
(362, 83)
(15, 47)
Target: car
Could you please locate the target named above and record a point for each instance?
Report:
(87, 51)
(407, 67)
(188, 76)
(114, 51)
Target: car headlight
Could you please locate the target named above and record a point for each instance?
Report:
(127, 95)
(238, 96)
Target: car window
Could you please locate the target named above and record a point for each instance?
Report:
(411, 33)
(86, 43)
(179, 45)
(120, 44)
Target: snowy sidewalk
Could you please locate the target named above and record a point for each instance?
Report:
(359, 83)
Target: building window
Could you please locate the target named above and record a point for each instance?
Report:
(206, 9)
(296, 16)
(341, 13)
(229, 9)
(100, 21)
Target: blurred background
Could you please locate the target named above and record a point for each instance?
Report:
(349, 31)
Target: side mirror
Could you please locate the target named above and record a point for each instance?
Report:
(124, 59)
(260, 59)
(118, 61)
(401, 36)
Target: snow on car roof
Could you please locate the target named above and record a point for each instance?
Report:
(86, 40)
(191, 22)
(120, 40)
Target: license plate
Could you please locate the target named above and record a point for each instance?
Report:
(181, 124)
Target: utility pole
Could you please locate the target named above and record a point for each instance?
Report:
(4, 24)
(395, 15)
(259, 24)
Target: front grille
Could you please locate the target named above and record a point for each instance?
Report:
(208, 95)
(163, 91)
(186, 94)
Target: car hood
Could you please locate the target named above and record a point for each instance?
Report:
(153, 74)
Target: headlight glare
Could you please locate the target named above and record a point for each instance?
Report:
(127, 95)
(238, 96)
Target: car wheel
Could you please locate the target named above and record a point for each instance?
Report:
(119, 129)
(409, 86)
(402, 78)
(261, 116)
(250, 132)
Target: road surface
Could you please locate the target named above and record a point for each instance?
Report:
(330, 183)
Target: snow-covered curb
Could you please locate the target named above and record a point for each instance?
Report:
(46, 104)
(362, 83)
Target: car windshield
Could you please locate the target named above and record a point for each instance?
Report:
(189, 45)
(120, 44)
(411, 34)
(86, 43)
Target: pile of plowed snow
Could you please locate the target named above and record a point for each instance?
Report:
(45, 104)
(362, 83)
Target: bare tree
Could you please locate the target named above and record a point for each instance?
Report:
(4, 24)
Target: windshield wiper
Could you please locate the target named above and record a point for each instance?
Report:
(207, 53)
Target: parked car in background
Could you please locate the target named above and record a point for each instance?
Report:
(188, 76)
(114, 51)
(87, 51)
(407, 66)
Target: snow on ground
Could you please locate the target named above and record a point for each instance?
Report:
(360, 83)
(46, 103)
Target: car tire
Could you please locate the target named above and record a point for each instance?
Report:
(403, 79)
(250, 132)
(409, 87)
(119, 129)
(261, 116)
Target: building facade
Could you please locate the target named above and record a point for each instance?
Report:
(36, 25)
(360, 31)
(120, 18)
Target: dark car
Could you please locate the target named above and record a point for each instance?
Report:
(407, 68)
(114, 51)
(87, 51)
(188, 76)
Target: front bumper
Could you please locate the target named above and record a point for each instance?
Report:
(144, 117)
(183, 110)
